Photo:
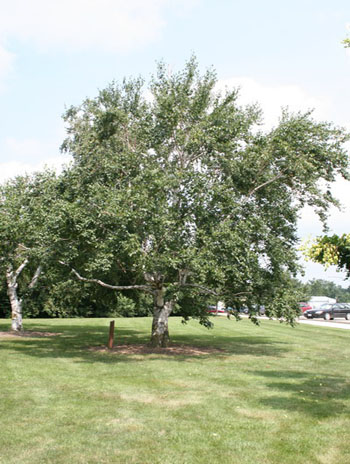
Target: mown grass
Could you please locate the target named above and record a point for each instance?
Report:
(275, 395)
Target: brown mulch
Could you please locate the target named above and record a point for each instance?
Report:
(171, 350)
(28, 333)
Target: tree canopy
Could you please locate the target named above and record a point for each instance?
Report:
(178, 193)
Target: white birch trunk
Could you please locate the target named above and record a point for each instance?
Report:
(16, 303)
(161, 313)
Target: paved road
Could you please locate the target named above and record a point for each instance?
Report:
(336, 324)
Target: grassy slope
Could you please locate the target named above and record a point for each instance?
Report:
(278, 395)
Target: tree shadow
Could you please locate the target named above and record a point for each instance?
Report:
(258, 345)
(317, 395)
(80, 342)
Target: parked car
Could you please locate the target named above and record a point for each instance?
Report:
(216, 310)
(212, 309)
(305, 306)
(317, 301)
(329, 311)
(258, 310)
(262, 310)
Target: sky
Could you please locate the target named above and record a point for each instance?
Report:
(54, 54)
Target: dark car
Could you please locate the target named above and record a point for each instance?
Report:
(329, 311)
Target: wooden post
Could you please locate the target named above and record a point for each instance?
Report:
(111, 335)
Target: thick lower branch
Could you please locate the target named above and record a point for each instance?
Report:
(20, 269)
(145, 288)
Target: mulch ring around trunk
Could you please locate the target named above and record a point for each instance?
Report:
(171, 350)
(28, 333)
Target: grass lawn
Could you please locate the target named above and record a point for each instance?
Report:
(269, 394)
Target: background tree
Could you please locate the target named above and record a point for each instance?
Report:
(26, 210)
(181, 196)
(330, 250)
(321, 287)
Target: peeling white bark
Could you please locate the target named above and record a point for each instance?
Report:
(161, 313)
(15, 301)
(35, 277)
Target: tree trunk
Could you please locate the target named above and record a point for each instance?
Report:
(162, 310)
(16, 303)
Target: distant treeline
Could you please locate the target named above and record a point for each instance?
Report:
(320, 287)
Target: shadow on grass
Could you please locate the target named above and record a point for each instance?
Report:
(317, 395)
(237, 345)
(75, 341)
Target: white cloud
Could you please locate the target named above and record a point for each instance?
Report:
(80, 25)
(31, 149)
(317, 271)
(272, 98)
(25, 148)
(6, 64)
(116, 25)
(6, 61)
(12, 169)
(27, 155)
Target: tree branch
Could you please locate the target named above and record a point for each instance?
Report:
(200, 287)
(35, 277)
(208, 290)
(183, 274)
(281, 174)
(20, 268)
(146, 288)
